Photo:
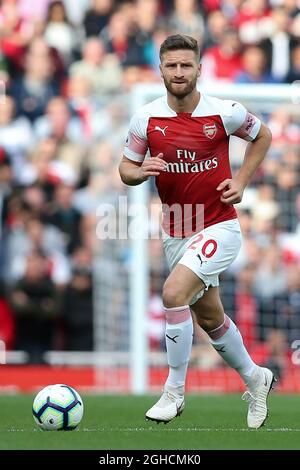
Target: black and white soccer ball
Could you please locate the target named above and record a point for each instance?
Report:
(57, 407)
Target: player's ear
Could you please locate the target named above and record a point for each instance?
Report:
(160, 69)
(199, 70)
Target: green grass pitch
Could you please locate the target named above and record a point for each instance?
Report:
(117, 422)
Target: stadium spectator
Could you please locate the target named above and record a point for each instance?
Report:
(265, 211)
(288, 187)
(151, 50)
(97, 16)
(285, 131)
(255, 67)
(287, 306)
(278, 46)
(101, 69)
(6, 190)
(15, 136)
(34, 198)
(88, 198)
(32, 235)
(88, 234)
(146, 17)
(217, 23)
(78, 303)
(58, 123)
(253, 21)
(62, 214)
(294, 71)
(277, 351)
(66, 130)
(36, 304)
(119, 38)
(37, 167)
(223, 61)
(187, 19)
(14, 33)
(87, 107)
(59, 32)
(37, 86)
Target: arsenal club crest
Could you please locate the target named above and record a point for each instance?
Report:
(210, 130)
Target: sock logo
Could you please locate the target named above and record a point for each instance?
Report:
(172, 339)
(222, 349)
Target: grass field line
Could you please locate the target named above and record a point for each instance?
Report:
(166, 429)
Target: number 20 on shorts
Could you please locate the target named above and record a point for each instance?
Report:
(208, 249)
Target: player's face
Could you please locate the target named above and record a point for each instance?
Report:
(180, 70)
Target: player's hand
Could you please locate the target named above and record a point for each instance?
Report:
(231, 191)
(152, 167)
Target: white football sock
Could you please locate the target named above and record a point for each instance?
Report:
(228, 342)
(179, 339)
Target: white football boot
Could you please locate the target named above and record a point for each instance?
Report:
(168, 407)
(257, 395)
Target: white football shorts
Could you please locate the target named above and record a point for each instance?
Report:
(208, 253)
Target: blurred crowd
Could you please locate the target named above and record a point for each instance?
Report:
(68, 68)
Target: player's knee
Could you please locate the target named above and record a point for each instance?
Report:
(172, 296)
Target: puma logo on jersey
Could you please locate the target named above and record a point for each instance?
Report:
(163, 131)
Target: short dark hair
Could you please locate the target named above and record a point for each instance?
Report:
(179, 41)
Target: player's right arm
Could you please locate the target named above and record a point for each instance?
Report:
(133, 173)
(134, 169)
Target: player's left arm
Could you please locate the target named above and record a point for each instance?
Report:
(232, 189)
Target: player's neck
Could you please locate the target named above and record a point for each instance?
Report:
(186, 104)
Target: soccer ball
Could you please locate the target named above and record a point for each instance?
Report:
(57, 407)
